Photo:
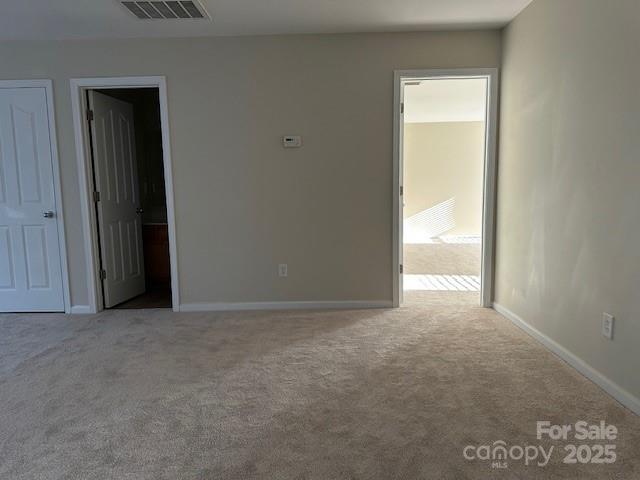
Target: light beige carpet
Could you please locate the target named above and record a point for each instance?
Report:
(377, 394)
(441, 259)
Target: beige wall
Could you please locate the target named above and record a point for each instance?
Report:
(243, 203)
(568, 196)
(444, 161)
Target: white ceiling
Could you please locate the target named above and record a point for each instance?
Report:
(450, 100)
(59, 19)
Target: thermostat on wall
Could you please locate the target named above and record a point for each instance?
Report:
(292, 141)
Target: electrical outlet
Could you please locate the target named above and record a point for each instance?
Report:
(607, 325)
(282, 270)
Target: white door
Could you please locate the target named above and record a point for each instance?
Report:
(118, 207)
(30, 261)
(401, 200)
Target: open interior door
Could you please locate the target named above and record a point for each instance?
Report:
(117, 198)
(401, 200)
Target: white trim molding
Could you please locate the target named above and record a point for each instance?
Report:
(83, 154)
(489, 182)
(616, 391)
(80, 310)
(322, 305)
(57, 182)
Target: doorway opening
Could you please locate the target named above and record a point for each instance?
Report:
(130, 198)
(445, 148)
(123, 150)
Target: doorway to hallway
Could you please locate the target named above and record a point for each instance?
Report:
(444, 136)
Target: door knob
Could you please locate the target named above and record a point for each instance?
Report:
(139, 210)
(48, 214)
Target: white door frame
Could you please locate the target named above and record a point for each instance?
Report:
(489, 190)
(57, 185)
(83, 153)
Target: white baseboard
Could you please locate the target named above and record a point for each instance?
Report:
(80, 309)
(220, 307)
(616, 391)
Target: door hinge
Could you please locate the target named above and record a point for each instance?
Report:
(402, 107)
(401, 190)
(96, 196)
(401, 268)
(90, 115)
(103, 274)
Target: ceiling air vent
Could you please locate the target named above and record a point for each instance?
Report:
(154, 10)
